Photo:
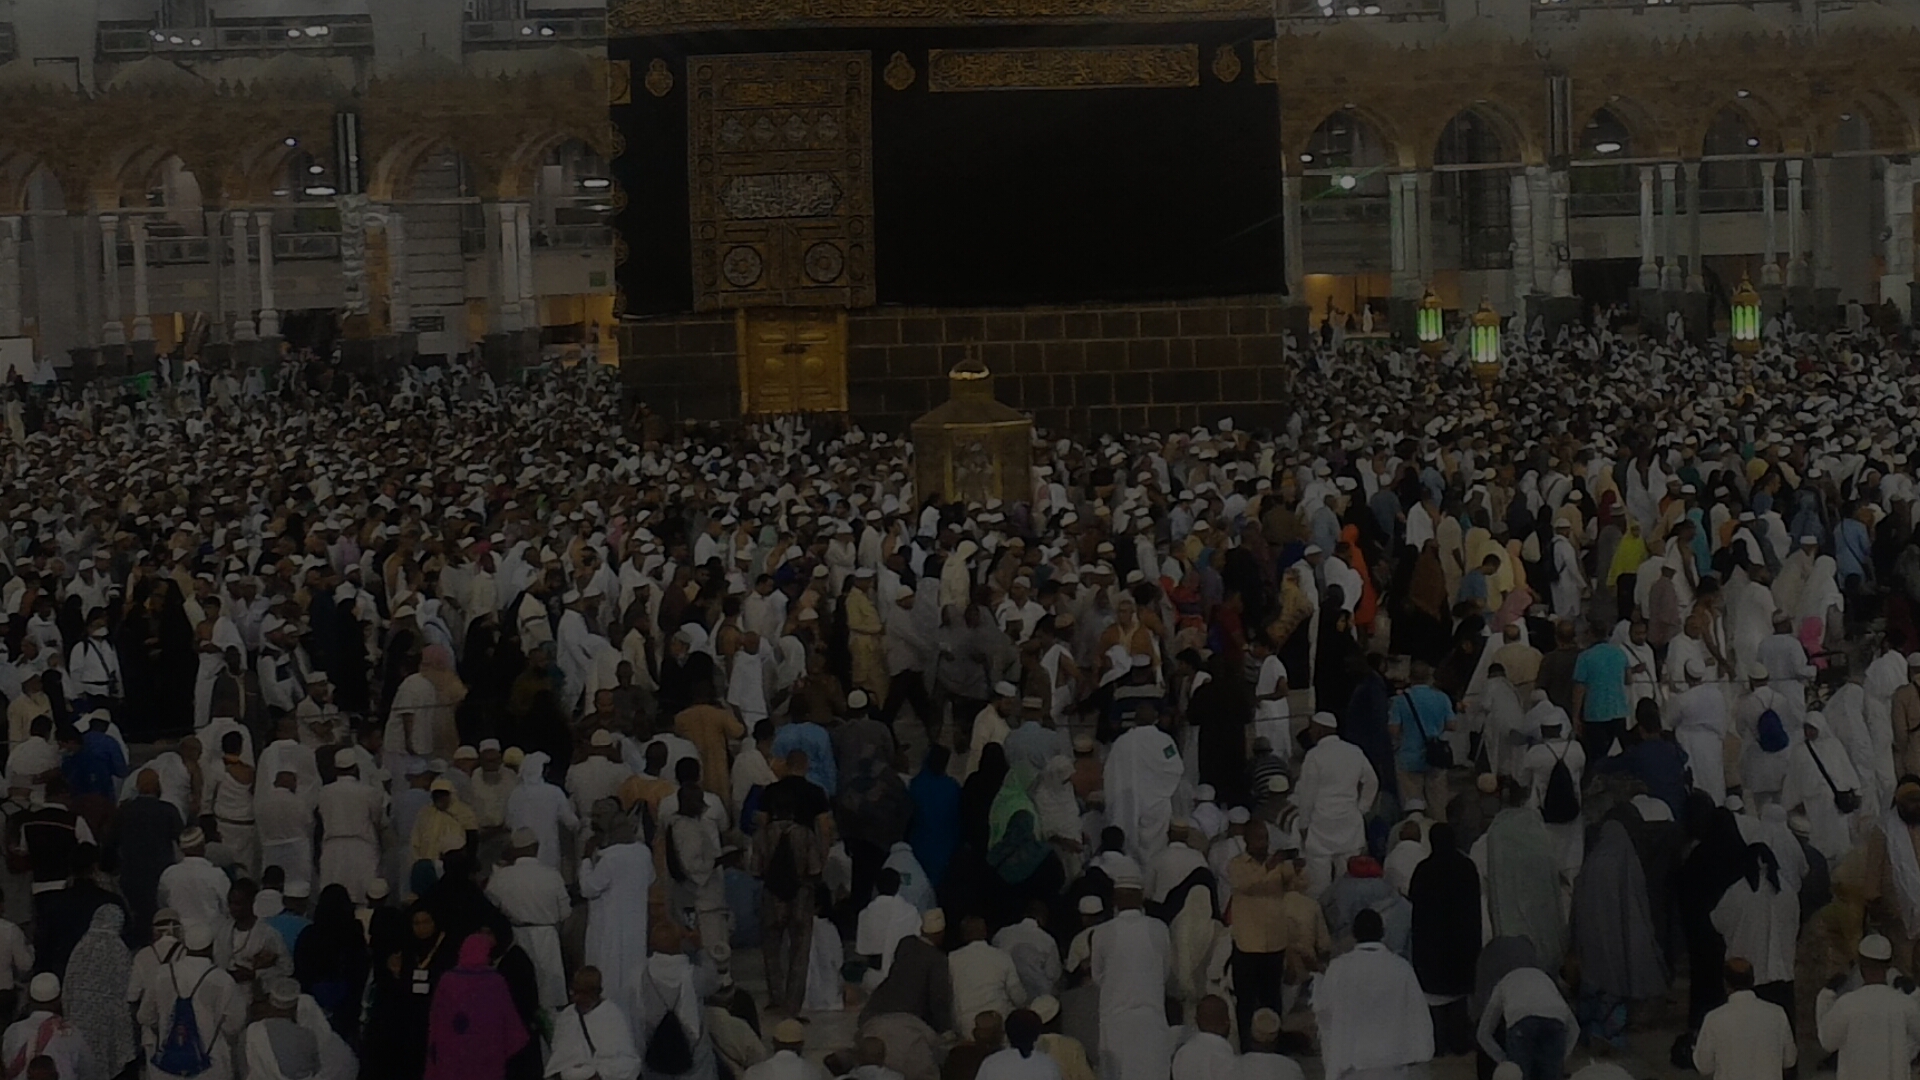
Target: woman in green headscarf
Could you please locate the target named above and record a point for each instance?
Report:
(1015, 850)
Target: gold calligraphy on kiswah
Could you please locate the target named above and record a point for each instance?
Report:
(1097, 67)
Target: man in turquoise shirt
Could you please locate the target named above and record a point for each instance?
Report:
(1600, 697)
(1419, 714)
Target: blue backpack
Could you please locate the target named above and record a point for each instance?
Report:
(182, 1051)
(1771, 732)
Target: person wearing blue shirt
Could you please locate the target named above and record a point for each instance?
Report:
(1419, 714)
(1853, 550)
(1600, 696)
(93, 763)
(812, 738)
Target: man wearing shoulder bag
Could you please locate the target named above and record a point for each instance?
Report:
(1419, 721)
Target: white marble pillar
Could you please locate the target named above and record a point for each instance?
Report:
(1823, 275)
(529, 296)
(269, 310)
(1296, 270)
(1520, 205)
(399, 284)
(1696, 281)
(243, 329)
(10, 301)
(142, 298)
(113, 329)
(1540, 235)
(1897, 273)
(1796, 255)
(1397, 231)
(1770, 265)
(1422, 219)
(216, 262)
(1670, 277)
(507, 305)
(1560, 190)
(1649, 269)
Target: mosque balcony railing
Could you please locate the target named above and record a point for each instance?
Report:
(532, 33)
(192, 250)
(1387, 10)
(125, 42)
(1603, 203)
(1346, 210)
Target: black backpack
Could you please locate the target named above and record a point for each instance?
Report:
(1561, 802)
(782, 878)
(668, 1051)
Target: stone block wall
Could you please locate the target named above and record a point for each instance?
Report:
(1083, 369)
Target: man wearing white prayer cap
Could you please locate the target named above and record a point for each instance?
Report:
(1131, 957)
(1336, 791)
(352, 815)
(1875, 1029)
(46, 1030)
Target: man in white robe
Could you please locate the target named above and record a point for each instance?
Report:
(1699, 718)
(351, 817)
(1143, 775)
(532, 895)
(219, 1005)
(1875, 1029)
(574, 650)
(614, 881)
(1371, 1012)
(591, 1036)
(283, 824)
(1131, 954)
(1208, 1055)
(1337, 788)
(44, 1030)
(541, 808)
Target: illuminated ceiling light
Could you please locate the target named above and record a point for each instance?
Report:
(319, 31)
(316, 170)
(1348, 182)
(291, 141)
(1741, 93)
(320, 190)
(195, 43)
(292, 32)
(546, 31)
(599, 208)
(281, 193)
(1845, 116)
(158, 36)
(176, 40)
(1371, 9)
(1307, 158)
(526, 31)
(1606, 148)
(596, 183)
(1753, 142)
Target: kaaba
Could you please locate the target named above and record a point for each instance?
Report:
(992, 166)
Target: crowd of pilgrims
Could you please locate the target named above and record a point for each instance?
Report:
(427, 727)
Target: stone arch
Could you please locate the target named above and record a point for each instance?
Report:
(1889, 126)
(391, 177)
(1348, 142)
(1480, 134)
(18, 171)
(520, 176)
(1714, 119)
(1375, 121)
(260, 171)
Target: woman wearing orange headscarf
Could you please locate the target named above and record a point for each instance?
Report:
(1363, 612)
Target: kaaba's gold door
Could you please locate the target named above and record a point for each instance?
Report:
(792, 360)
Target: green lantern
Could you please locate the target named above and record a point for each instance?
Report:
(1744, 322)
(1430, 325)
(1486, 345)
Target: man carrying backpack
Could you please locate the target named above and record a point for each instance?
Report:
(1553, 770)
(191, 1013)
(788, 856)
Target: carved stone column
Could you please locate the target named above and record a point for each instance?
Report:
(529, 296)
(1560, 194)
(10, 305)
(1520, 206)
(1296, 260)
(1770, 266)
(269, 310)
(113, 331)
(216, 261)
(1895, 282)
(510, 316)
(399, 288)
(1422, 218)
(353, 253)
(242, 288)
(1823, 275)
(1671, 278)
(142, 299)
(1696, 281)
(1406, 281)
(1649, 268)
(1796, 255)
